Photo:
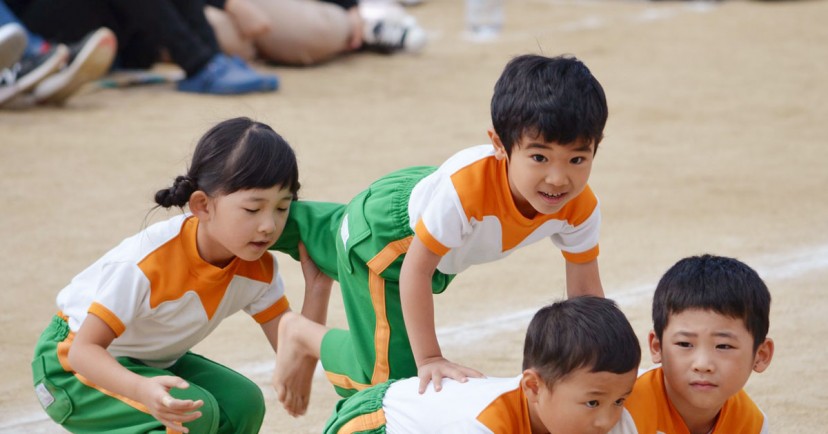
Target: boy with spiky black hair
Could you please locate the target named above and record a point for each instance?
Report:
(710, 319)
(580, 360)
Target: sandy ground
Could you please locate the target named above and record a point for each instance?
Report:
(716, 143)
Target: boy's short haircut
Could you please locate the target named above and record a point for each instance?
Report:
(582, 332)
(715, 283)
(554, 98)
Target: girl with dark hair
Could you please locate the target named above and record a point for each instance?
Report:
(116, 357)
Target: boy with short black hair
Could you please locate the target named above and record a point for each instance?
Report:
(580, 362)
(711, 319)
(405, 237)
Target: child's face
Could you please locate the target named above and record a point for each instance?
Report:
(244, 224)
(583, 402)
(544, 176)
(707, 358)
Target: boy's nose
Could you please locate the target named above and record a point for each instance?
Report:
(702, 362)
(556, 177)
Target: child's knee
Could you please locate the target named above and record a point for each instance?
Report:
(243, 407)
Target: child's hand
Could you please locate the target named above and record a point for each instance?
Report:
(171, 412)
(437, 368)
(294, 391)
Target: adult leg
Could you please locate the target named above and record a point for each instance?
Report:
(168, 25)
(302, 32)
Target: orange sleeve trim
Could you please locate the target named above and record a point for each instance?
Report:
(430, 242)
(108, 317)
(583, 257)
(364, 422)
(278, 308)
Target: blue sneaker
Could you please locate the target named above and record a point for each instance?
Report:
(224, 76)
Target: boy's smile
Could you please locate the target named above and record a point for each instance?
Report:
(544, 176)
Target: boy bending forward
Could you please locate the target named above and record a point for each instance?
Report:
(410, 232)
(580, 360)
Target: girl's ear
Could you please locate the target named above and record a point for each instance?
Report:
(531, 382)
(500, 150)
(198, 205)
(655, 347)
(763, 357)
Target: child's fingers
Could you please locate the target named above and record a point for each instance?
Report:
(424, 380)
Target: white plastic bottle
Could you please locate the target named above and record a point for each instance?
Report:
(484, 18)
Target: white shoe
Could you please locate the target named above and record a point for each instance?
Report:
(89, 59)
(13, 41)
(388, 28)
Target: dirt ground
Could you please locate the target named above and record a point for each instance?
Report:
(716, 143)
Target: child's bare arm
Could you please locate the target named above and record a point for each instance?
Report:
(418, 311)
(583, 279)
(317, 289)
(89, 357)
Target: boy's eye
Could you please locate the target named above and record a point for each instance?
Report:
(684, 344)
(620, 402)
(592, 404)
(577, 160)
(724, 346)
(251, 211)
(538, 158)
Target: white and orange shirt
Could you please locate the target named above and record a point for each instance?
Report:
(465, 212)
(480, 405)
(648, 410)
(161, 299)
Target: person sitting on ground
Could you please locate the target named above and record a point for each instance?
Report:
(308, 32)
(710, 325)
(580, 360)
(34, 71)
(149, 31)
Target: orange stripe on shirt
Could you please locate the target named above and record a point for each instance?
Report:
(278, 308)
(483, 189)
(176, 268)
(428, 240)
(508, 413)
(582, 257)
(108, 317)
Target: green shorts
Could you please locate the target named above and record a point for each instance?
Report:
(362, 246)
(361, 413)
(232, 403)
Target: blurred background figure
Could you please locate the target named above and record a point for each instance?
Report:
(148, 32)
(308, 32)
(34, 71)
